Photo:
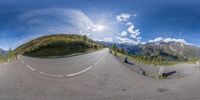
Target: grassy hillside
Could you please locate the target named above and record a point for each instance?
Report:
(7, 55)
(57, 45)
(1, 59)
(155, 60)
(158, 57)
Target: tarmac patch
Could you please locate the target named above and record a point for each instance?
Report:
(162, 90)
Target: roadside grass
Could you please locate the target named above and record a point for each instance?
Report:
(159, 63)
(1, 60)
(163, 63)
(8, 57)
(162, 59)
(132, 59)
(194, 60)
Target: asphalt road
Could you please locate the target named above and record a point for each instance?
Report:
(107, 80)
(64, 66)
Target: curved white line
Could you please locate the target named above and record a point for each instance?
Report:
(60, 76)
(69, 75)
(50, 75)
(30, 67)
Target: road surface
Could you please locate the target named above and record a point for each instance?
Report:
(107, 80)
(64, 66)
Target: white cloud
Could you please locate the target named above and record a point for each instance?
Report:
(124, 33)
(83, 33)
(156, 39)
(60, 21)
(131, 34)
(67, 21)
(123, 17)
(53, 21)
(128, 23)
(56, 20)
(174, 40)
(143, 43)
(131, 29)
(107, 39)
(127, 40)
(167, 40)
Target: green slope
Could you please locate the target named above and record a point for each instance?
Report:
(57, 45)
(160, 53)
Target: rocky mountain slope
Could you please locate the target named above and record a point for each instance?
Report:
(161, 51)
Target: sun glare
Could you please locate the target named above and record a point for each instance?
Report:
(100, 27)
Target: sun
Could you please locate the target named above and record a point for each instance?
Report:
(99, 27)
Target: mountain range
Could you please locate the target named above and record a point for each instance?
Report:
(2, 52)
(170, 51)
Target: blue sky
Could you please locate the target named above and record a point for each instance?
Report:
(131, 21)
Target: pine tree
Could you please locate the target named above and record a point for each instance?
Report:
(10, 52)
(114, 47)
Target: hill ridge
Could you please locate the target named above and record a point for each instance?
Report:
(57, 44)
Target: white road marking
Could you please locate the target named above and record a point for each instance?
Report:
(68, 75)
(30, 67)
(50, 75)
(22, 61)
(99, 60)
(87, 69)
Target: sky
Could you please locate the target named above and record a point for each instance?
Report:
(123, 21)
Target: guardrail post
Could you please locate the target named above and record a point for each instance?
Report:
(197, 64)
(115, 54)
(126, 59)
(161, 71)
